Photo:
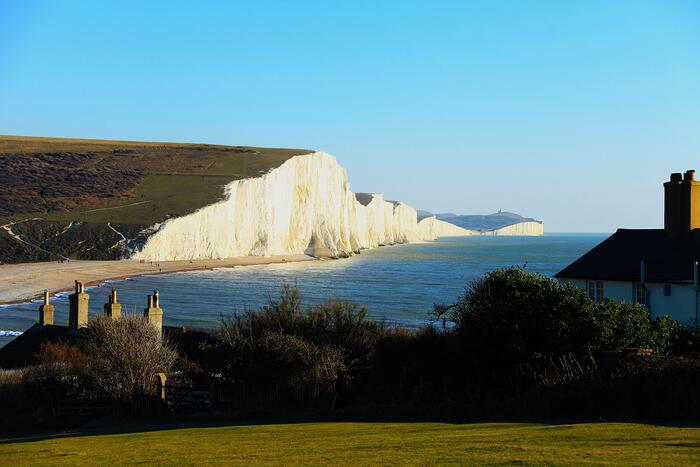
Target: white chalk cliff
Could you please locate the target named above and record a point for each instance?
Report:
(303, 206)
(528, 228)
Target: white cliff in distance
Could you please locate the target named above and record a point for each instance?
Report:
(303, 206)
(529, 228)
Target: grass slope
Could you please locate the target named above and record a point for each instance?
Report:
(372, 443)
(57, 196)
(120, 181)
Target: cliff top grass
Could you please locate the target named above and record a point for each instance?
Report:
(124, 182)
(367, 443)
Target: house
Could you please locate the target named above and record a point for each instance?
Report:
(657, 268)
(23, 349)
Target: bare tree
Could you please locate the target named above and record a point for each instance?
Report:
(125, 355)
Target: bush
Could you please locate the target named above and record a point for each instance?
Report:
(290, 359)
(273, 357)
(126, 355)
(510, 315)
(281, 315)
(624, 325)
(343, 325)
(63, 353)
(336, 323)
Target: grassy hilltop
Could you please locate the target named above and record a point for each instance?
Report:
(50, 184)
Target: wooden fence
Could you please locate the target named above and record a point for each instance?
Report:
(186, 399)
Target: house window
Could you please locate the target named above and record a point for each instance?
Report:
(667, 290)
(640, 294)
(595, 290)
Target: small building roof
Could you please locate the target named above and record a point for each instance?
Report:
(666, 258)
(23, 349)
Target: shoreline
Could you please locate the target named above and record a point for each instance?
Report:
(24, 282)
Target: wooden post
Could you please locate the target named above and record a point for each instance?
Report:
(162, 379)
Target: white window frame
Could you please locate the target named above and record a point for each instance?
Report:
(643, 289)
(596, 290)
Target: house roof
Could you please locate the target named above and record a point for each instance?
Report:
(666, 259)
(22, 350)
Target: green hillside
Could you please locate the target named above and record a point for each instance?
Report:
(57, 195)
(368, 443)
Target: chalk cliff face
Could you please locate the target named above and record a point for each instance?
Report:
(522, 228)
(303, 206)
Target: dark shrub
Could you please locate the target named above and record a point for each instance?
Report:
(510, 315)
(63, 353)
(238, 355)
(288, 358)
(418, 364)
(624, 325)
(343, 325)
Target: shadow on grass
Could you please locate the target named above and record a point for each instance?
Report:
(125, 425)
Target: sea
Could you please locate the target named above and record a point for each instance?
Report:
(398, 284)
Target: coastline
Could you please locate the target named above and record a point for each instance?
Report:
(20, 283)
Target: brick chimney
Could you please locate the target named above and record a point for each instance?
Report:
(681, 204)
(112, 308)
(78, 314)
(46, 311)
(153, 312)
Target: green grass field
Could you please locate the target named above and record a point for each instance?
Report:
(371, 443)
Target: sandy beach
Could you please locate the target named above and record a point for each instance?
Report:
(23, 282)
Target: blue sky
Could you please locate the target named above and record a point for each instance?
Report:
(571, 112)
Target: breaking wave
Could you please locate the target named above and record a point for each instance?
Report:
(4, 333)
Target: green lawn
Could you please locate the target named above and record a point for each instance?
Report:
(372, 443)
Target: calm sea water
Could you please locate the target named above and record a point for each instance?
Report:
(398, 284)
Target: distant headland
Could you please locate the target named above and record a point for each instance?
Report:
(498, 223)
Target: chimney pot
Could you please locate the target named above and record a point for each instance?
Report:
(112, 308)
(676, 177)
(78, 310)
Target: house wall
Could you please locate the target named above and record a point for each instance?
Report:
(680, 305)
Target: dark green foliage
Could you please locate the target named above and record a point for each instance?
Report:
(624, 326)
(271, 357)
(511, 315)
(283, 343)
(514, 315)
(675, 339)
(336, 323)
(343, 325)
(516, 343)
